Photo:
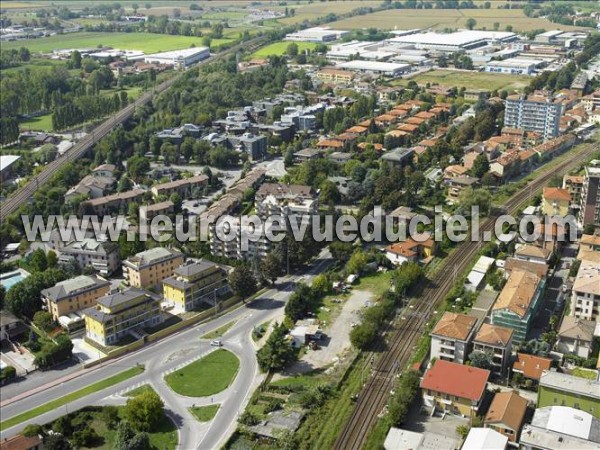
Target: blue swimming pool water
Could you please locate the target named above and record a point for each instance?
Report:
(11, 281)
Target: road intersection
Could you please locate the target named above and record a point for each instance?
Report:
(171, 353)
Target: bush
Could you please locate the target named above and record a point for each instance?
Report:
(110, 416)
(84, 438)
(9, 373)
(363, 335)
(248, 418)
(43, 320)
(32, 430)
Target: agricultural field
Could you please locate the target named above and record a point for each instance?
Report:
(311, 11)
(146, 42)
(470, 80)
(279, 48)
(448, 18)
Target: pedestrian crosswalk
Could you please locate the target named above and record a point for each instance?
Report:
(186, 363)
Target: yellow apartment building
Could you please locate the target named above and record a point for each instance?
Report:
(454, 388)
(73, 295)
(117, 315)
(556, 201)
(149, 268)
(195, 283)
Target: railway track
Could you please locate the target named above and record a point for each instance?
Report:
(19, 197)
(407, 329)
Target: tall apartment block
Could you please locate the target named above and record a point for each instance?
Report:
(589, 211)
(534, 113)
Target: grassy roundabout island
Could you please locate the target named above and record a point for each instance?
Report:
(207, 376)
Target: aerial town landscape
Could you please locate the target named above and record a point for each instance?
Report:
(300, 224)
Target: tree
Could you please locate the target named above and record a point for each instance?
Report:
(480, 359)
(56, 442)
(363, 335)
(475, 197)
(76, 60)
(137, 166)
(43, 320)
(292, 49)
(135, 7)
(471, 23)
(144, 411)
(496, 26)
(38, 261)
(321, 285)
(51, 259)
(242, 281)
(357, 262)
(481, 165)
(84, 438)
(277, 353)
(124, 434)
(177, 201)
(271, 267)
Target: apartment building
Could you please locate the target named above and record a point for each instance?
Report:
(589, 208)
(333, 75)
(555, 201)
(585, 301)
(102, 257)
(73, 295)
(454, 388)
(117, 315)
(451, 337)
(285, 200)
(147, 269)
(115, 203)
(533, 113)
(237, 239)
(518, 303)
(561, 389)
(573, 184)
(497, 341)
(195, 283)
(185, 187)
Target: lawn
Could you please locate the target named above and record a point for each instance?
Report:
(205, 413)
(471, 80)
(279, 48)
(403, 19)
(146, 42)
(377, 283)
(40, 123)
(207, 376)
(164, 437)
(115, 379)
(219, 331)
(584, 373)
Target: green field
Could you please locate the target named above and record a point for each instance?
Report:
(146, 42)
(205, 413)
(448, 18)
(207, 376)
(115, 379)
(279, 48)
(470, 80)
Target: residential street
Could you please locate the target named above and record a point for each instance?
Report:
(172, 352)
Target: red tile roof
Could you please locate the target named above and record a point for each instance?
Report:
(455, 379)
(531, 366)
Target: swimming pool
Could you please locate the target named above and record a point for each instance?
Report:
(10, 279)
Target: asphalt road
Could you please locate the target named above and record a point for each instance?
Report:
(170, 353)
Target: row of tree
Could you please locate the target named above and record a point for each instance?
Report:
(85, 109)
